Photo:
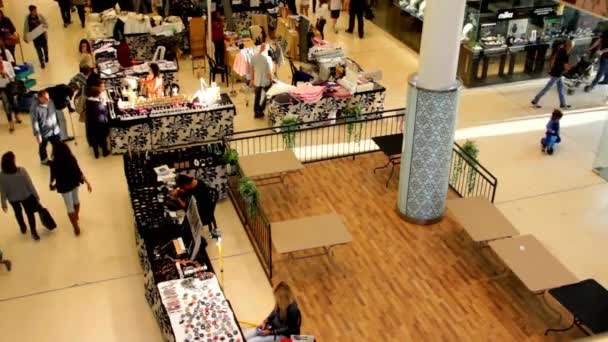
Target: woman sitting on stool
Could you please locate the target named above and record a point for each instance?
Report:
(284, 320)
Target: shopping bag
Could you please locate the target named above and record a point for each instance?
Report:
(47, 220)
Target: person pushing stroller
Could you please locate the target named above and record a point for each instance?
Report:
(552, 133)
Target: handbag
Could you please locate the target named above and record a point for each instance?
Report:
(45, 217)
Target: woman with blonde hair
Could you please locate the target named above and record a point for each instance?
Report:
(284, 320)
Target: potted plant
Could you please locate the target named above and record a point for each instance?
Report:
(352, 114)
(231, 159)
(289, 125)
(250, 195)
(471, 151)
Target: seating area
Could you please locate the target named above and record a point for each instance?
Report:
(530, 261)
(436, 273)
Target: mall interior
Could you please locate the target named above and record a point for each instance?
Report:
(395, 183)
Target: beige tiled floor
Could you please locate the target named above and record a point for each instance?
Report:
(38, 302)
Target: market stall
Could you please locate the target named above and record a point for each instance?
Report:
(337, 82)
(167, 271)
(173, 121)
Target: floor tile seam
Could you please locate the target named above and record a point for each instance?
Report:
(551, 193)
(233, 255)
(75, 285)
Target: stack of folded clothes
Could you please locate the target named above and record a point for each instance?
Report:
(306, 92)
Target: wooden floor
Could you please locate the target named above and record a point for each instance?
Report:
(396, 281)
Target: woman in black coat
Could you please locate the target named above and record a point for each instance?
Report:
(66, 178)
(97, 126)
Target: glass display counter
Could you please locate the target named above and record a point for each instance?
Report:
(502, 40)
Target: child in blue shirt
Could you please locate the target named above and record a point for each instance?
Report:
(552, 133)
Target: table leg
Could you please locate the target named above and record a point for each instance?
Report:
(383, 166)
(544, 300)
(391, 174)
(574, 322)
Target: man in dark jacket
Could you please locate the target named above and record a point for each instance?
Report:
(62, 96)
(356, 8)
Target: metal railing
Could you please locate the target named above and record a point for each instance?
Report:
(323, 139)
(468, 178)
(337, 138)
(257, 226)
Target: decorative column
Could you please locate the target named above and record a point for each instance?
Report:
(430, 123)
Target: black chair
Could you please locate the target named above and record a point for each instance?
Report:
(215, 69)
(297, 75)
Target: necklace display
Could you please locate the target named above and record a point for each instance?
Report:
(198, 310)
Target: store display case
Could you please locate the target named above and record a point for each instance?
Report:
(509, 41)
(503, 40)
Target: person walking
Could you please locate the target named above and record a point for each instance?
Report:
(284, 320)
(16, 188)
(7, 75)
(602, 72)
(65, 7)
(261, 79)
(335, 6)
(7, 263)
(559, 65)
(61, 96)
(80, 7)
(32, 21)
(322, 17)
(8, 33)
(356, 8)
(97, 121)
(66, 178)
(44, 123)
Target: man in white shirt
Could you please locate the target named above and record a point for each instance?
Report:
(261, 78)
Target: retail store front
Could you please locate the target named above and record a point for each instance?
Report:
(502, 40)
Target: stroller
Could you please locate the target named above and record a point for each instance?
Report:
(579, 74)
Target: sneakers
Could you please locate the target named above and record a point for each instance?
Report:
(46, 162)
(535, 104)
(565, 107)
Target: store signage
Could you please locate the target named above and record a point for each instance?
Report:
(544, 11)
(505, 15)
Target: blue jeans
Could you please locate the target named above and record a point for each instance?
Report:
(602, 72)
(71, 199)
(560, 90)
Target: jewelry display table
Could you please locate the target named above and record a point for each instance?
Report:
(152, 131)
(155, 229)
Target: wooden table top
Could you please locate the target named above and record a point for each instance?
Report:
(532, 263)
(481, 219)
(265, 164)
(309, 232)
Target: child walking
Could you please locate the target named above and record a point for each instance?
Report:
(552, 133)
